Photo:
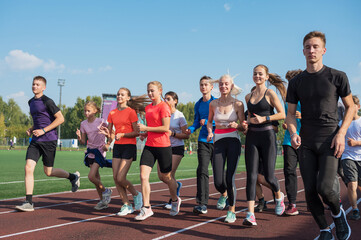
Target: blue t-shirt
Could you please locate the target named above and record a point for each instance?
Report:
(287, 137)
(42, 111)
(201, 111)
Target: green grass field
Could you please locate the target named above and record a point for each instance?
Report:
(13, 162)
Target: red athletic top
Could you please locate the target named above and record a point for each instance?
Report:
(154, 115)
(122, 121)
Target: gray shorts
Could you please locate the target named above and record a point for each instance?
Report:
(351, 170)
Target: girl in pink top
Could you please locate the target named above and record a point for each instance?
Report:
(89, 129)
(157, 147)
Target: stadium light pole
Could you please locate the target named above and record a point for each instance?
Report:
(61, 83)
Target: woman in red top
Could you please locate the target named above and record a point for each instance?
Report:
(157, 147)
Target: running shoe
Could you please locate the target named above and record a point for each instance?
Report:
(200, 209)
(125, 210)
(291, 210)
(75, 183)
(231, 217)
(280, 205)
(144, 214)
(262, 205)
(250, 220)
(25, 207)
(343, 230)
(168, 205)
(138, 201)
(179, 186)
(325, 235)
(222, 202)
(175, 207)
(355, 215)
(101, 205)
(107, 195)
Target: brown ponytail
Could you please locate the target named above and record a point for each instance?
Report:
(275, 80)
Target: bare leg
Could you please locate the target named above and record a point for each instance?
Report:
(29, 176)
(122, 179)
(144, 178)
(94, 177)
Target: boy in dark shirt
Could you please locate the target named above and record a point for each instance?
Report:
(46, 117)
(318, 89)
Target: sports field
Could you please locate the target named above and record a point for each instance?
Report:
(12, 172)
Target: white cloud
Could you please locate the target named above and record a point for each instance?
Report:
(20, 60)
(227, 7)
(185, 97)
(105, 69)
(21, 99)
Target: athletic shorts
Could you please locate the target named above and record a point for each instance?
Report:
(162, 154)
(352, 171)
(37, 149)
(89, 161)
(178, 150)
(125, 151)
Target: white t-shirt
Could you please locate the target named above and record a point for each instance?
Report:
(177, 120)
(353, 132)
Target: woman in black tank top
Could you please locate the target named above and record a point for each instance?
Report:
(261, 138)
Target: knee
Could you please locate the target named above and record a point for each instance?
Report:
(144, 178)
(48, 172)
(324, 191)
(121, 180)
(166, 178)
(91, 178)
(28, 169)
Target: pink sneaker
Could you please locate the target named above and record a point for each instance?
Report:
(250, 220)
(280, 205)
(291, 210)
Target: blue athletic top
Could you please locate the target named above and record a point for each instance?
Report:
(201, 111)
(287, 137)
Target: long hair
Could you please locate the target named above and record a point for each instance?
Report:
(235, 90)
(137, 103)
(292, 73)
(173, 95)
(275, 80)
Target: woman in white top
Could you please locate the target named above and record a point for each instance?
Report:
(226, 111)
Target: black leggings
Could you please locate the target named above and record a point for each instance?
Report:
(226, 149)
(260, 145)
(318, 169)
(290, 157)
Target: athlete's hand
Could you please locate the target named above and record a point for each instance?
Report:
(296, 141)
(232, 125)
(257, 119)
(119, 136)
(143, 136)
(38, 132)
(338, 142)
(78, 133)
(106, 147)
(141, 127)
(351, 142)
(188, 131)
(104, 130)
(202, 122)
(209, 137)
(284, 126)
(29, 131)
(298, 114)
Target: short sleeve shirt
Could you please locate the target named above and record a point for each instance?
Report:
(177, 121)
(154, 116)
(95, 139)
(318, 94)
(353, 132)
(122, 121)
(43, 112)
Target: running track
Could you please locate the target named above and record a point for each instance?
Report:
(71, 216)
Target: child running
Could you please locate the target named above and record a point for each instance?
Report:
(178, 126)
(95, 155)
(46, 117)
(226, 111)
(124, 118)
(157, 147)
(261, 138)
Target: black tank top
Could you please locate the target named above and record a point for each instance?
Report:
(262, 108)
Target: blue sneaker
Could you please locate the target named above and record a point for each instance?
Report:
(280, 205)
(179, 184)
(222, 202)
(231, 217)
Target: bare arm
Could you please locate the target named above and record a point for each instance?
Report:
(132, 134)
(292, 125)
(210, 121)
(183, 134)
(163, 128)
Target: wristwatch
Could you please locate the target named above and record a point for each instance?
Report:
(268, 118)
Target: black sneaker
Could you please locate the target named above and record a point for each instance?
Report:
(355, 215)
(262, 205)
(343, 230)
(325, 235)
(200, 209)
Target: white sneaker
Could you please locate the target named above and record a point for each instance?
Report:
(144, 214)
(168, 205)
(138, 201)
(175, 207)
(101, 205)
(125, 210)
(107, 195)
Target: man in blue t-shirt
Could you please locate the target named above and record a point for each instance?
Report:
(46, 117)
(205, 149)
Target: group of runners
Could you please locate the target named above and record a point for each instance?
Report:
(318, 144)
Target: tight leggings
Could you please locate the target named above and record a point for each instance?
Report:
(226, 149)
(260, 145)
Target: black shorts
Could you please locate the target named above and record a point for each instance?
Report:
(47, 149)
(351, 170)
(179, 150)
(89, 161)
(162, 154)
(125, 151)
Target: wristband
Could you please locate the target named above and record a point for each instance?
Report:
(293, 134)
(43, 130)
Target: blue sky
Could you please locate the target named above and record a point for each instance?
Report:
(100, 46)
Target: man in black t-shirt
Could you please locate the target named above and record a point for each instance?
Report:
(318, 89)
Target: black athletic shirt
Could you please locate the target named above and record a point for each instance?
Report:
(262, 108)
(318, 94)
